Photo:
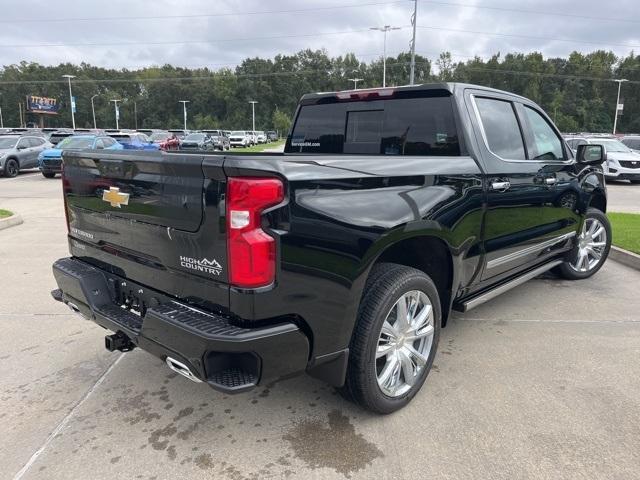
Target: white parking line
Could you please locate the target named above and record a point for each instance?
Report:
(64, 421)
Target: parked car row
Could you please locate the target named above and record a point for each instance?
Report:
(622, 154)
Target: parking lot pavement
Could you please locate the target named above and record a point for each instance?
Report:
(623, 197)
(543, 382)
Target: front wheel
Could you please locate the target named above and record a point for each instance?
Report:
(48, 174)
(591, 249)
(395, 338)
(11, 168)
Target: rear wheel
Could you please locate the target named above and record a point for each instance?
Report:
(11, 168)
(48, 174)
(591, 249)
(395, 338)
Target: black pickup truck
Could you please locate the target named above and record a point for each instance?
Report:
(341, 257)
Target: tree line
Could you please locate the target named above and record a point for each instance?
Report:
(578, 92)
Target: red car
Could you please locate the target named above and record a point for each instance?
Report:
(165, 140)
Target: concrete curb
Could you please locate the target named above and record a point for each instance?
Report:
(625, 257)
(11, 221)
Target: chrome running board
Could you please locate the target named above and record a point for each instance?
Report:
(473, 302)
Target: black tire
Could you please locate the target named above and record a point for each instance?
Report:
(387, 283)
(49, 174)
(11, 168)
(570, 273)
(635, 182)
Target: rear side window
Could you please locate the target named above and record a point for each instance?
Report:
(542, 143)
(399, 126)
(36, 142)
(501, 128)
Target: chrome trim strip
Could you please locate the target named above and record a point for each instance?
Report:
(496, 262)
(474, 302)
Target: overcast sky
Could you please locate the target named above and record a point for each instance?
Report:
(223, 32)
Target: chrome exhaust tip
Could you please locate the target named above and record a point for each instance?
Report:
(182, 369)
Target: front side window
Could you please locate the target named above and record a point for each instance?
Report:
(501, 128)
(396, 126)
(544, 143)
(23, 143)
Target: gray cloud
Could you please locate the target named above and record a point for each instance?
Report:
(227, 40)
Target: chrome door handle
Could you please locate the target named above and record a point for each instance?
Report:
(500, 186)
(551, 180)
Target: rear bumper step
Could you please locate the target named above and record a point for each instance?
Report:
(199, 345)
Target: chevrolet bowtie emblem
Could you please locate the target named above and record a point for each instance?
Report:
(115, 197)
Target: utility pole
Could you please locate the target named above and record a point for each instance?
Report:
(93, 111)
(355, 82)
(253, 114)
(414, 21)
(117, 111)
(615, 118)
(20, 111)
(184, 112)
(384, 30)
(72, 100)
(135, 114)
(1, 121)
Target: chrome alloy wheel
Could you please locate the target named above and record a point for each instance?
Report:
(405, 343)
(592, 242)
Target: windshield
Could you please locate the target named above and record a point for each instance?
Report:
(238, 133)
(8, 142)
(159, 137)
(76, 142)
(612, 145)
(194, 137)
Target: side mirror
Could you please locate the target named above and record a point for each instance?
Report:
(590, 154)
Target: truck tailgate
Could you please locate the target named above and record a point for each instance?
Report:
(152, 217)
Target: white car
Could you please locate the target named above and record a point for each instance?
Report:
(262, 137)
(622, 163)
(240, 138)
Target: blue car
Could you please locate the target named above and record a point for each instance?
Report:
(134, 141)
(50, 160)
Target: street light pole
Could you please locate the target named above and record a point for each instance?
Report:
(384, 30)
(73, 103)
(355, 82)
(135, 114)
(414, 21)
(117, 112)
(615, 118)
(184, 112)
(93, 111)
(253, 114)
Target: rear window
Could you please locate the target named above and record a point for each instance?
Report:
(398, 126)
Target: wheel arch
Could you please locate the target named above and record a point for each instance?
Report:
(428, 253)
(598, 200)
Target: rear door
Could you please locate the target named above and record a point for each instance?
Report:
(524, 178)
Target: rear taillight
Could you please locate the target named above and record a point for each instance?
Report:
(251, 251)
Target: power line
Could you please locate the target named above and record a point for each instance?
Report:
(184, 42)
(197, 15)
(527, 11)
(307, 72)
(529, 37)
